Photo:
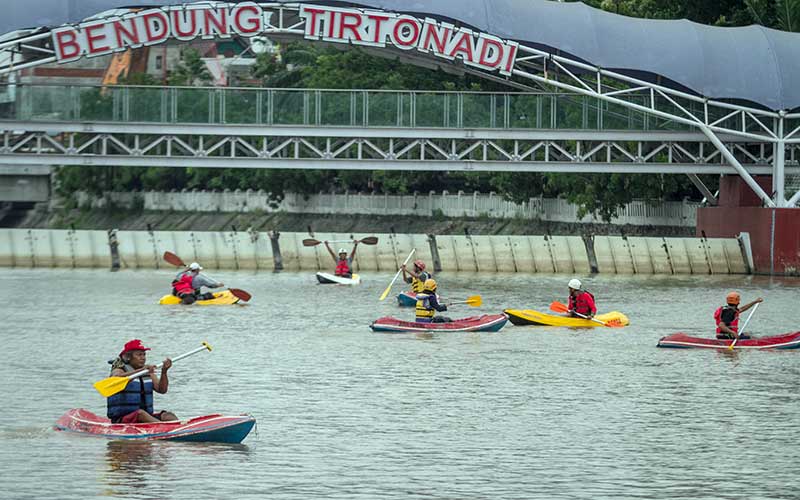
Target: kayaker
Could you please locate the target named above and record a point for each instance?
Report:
(344, 263)
(188, 284)
(417, 277)
(428, 304)
(581, 302)
(135, 403)
(727, 316)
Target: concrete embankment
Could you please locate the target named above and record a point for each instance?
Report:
(271, 251)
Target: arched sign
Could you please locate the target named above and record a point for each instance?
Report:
(339, 25)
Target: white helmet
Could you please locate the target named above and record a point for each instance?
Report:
(575, 284)
(342, 250)
(194, 266)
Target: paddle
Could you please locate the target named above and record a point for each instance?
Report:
(472, 301)
(112, 385)
(177, 261)
(173, 259)
(386, 292)
(744, 325)
(562, 308)
(369, 240)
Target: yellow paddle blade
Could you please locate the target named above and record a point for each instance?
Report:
(385, 292)
(207, 346)
(111, 385)
(474, 301)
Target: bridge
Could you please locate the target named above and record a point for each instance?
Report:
(362, 129)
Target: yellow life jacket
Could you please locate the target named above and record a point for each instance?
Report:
(423, 307)
(418, 284)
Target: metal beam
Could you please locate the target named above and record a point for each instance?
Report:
(744, 174)
(703, 189)
(373, 164)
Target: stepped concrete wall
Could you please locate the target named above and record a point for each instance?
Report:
(37, 248)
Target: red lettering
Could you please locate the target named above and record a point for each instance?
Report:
(512, 56)
(181, 17)
(398, 32)
(352, 27)
(131, 36)
(92, 36)
(219, 18)
(331, 22)
(251, 24)
(464, 47)
(431, 30)
(378, 21)
(155, 26)
(487, 44)
(66, 43)
(311, 23)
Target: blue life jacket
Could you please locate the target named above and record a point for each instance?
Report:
(138, 394)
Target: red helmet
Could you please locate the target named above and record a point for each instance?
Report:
(420, 265)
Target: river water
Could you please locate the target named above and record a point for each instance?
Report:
(525, 413)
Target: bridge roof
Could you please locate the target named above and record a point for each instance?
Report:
(752, 64)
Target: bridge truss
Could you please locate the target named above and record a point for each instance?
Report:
(726, 137)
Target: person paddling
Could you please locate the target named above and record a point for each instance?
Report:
(727, 316)
(135, 403)
(580, 302)
(188, 284)
(428, 304)
(344, 263)
(417, 277)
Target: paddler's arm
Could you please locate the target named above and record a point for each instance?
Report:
(353, 253)
(724, 329)
(751, 304)
(434, 302)
(160, 384)
(330, 251)
(408, 275)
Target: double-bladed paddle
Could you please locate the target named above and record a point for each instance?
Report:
(562, 308)
(386, 292)
(177, 261)
(369, 240)
(472, 301)
(112, 385)
(744, 326)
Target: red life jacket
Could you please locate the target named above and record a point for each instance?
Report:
(583, 303)
(342, 267)
(734, 324)
(184, 285)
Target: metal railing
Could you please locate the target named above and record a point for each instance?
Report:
(329, 108)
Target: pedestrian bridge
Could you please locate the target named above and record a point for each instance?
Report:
(361, 129)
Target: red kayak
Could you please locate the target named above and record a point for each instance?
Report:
(681, 340)
(484, 323)
(212, 428)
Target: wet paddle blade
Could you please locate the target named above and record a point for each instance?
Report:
(310, 242)
(558, 307)
(474, 301)
(386, 292)
(240, 294)
(173, 259)
(614, 323)
(369, 240)
(111, 385)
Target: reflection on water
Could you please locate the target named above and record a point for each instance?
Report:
(343, 413)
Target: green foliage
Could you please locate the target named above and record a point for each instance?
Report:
(191, 71)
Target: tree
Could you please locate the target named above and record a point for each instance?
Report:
(191, 71)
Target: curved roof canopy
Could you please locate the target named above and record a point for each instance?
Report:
(753, 63)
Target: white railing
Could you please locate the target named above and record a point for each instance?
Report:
(640, 213)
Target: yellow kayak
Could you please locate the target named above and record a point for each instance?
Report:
(222, 298)
(530, 317)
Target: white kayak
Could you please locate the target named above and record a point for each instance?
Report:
(332, 279)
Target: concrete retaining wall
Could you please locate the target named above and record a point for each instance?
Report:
(640, 213)
(452, 253)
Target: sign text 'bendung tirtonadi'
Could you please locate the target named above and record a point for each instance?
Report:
(354, 26)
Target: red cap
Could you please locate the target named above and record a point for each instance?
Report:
(134, 345)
